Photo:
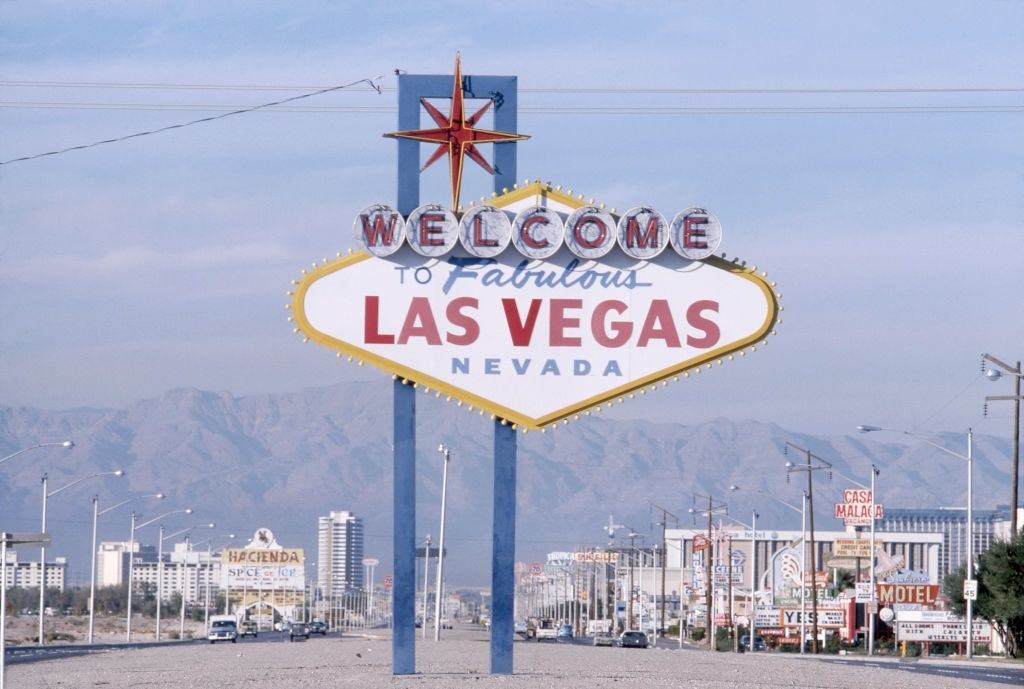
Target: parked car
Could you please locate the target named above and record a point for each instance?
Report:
(631, 638)
(222, 628)
(298, 630)
(317, 627)
(446, 623)
(759, 643)
(604, 639)
(248, 628)
(564, 631)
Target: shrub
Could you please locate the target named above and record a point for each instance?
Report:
(723, 640)
(697, 633)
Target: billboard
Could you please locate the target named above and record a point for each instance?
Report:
(538, 306)
(263, 564)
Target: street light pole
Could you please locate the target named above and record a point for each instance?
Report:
(444, 450)
(713, 506)
(995, 374)
(871, 564)
(42, 548)
(809, 468)
(969, 458)
(67, 444)
(426, 579)
(92, 566)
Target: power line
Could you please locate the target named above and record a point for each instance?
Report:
(370, 82)
(548, 89)
(536, 110)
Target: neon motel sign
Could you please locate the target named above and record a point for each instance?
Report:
(536, 306)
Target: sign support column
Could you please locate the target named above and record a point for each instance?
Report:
(403, 638)
(503, 554)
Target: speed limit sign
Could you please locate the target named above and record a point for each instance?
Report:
(970, 589)
(388, 580)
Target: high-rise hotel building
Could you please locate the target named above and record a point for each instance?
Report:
(340, 553)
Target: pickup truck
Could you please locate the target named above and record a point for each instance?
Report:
(547, 630)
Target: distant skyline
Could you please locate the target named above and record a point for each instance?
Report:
(865, 155)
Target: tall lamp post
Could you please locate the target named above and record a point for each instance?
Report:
(714, 507)
(66, 444)
(444, 450)
(970, 513)
(209, 570)
(810, 467)
(753, 569)
(96, 514)
(131, 562)
(995, 374)
(160, 565)
(802, 510)
(426, 578)
(42, 548)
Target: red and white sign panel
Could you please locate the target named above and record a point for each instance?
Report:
(915, 594)
(532, 340)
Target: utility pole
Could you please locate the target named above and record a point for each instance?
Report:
(665, 516)
(713, 507)
(810, 468)
(996, 374)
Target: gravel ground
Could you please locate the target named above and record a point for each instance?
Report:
(460, 660)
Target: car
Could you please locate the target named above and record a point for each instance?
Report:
(317, 627)
(604, 639)
(759, 643)
(632, 638)
(248, 628)
(222, 628)
(298, 630)
(446, 623)
(564, 631)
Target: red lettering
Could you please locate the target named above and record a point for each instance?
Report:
(429, 228)
(582, 240)
(371, 323)
(478, 233)
(521, 332)
(645, 240)
(692, 228)
(470, 328)
(622, 329)
(377, 234)
(710, 329)
(559, 322)
(659, 325)
(527, 238)
(419, 322)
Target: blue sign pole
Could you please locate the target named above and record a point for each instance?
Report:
(502, 91)
(503, 554)
(403, 639)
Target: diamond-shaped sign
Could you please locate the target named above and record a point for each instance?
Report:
(534, 340)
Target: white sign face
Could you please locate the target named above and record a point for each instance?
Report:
(970, 589)
(536, 334)
(826, 618)
(431, 230)
(864, 591)
(695, 233)
(943, 631)
(485, 231)
(380, 229)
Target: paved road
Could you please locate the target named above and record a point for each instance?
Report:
(461, 659)
(999, 673)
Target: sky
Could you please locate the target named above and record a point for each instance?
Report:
(868, 156)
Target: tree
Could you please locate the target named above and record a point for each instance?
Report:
(1000, 592)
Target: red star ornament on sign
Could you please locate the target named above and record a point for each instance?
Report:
(457, 135)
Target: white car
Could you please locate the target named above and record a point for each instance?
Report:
(222, 628)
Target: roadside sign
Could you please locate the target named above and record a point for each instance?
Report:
(700, 542)
(826, 618)
(919, 594)
(864, 592)
(943, 631)
(853, 547)
(388, 580)
(370, 562)
(536, 569)
(970, 589)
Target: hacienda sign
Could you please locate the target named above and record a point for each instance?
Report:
(538, 332)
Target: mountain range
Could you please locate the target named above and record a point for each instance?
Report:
(281, 460)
